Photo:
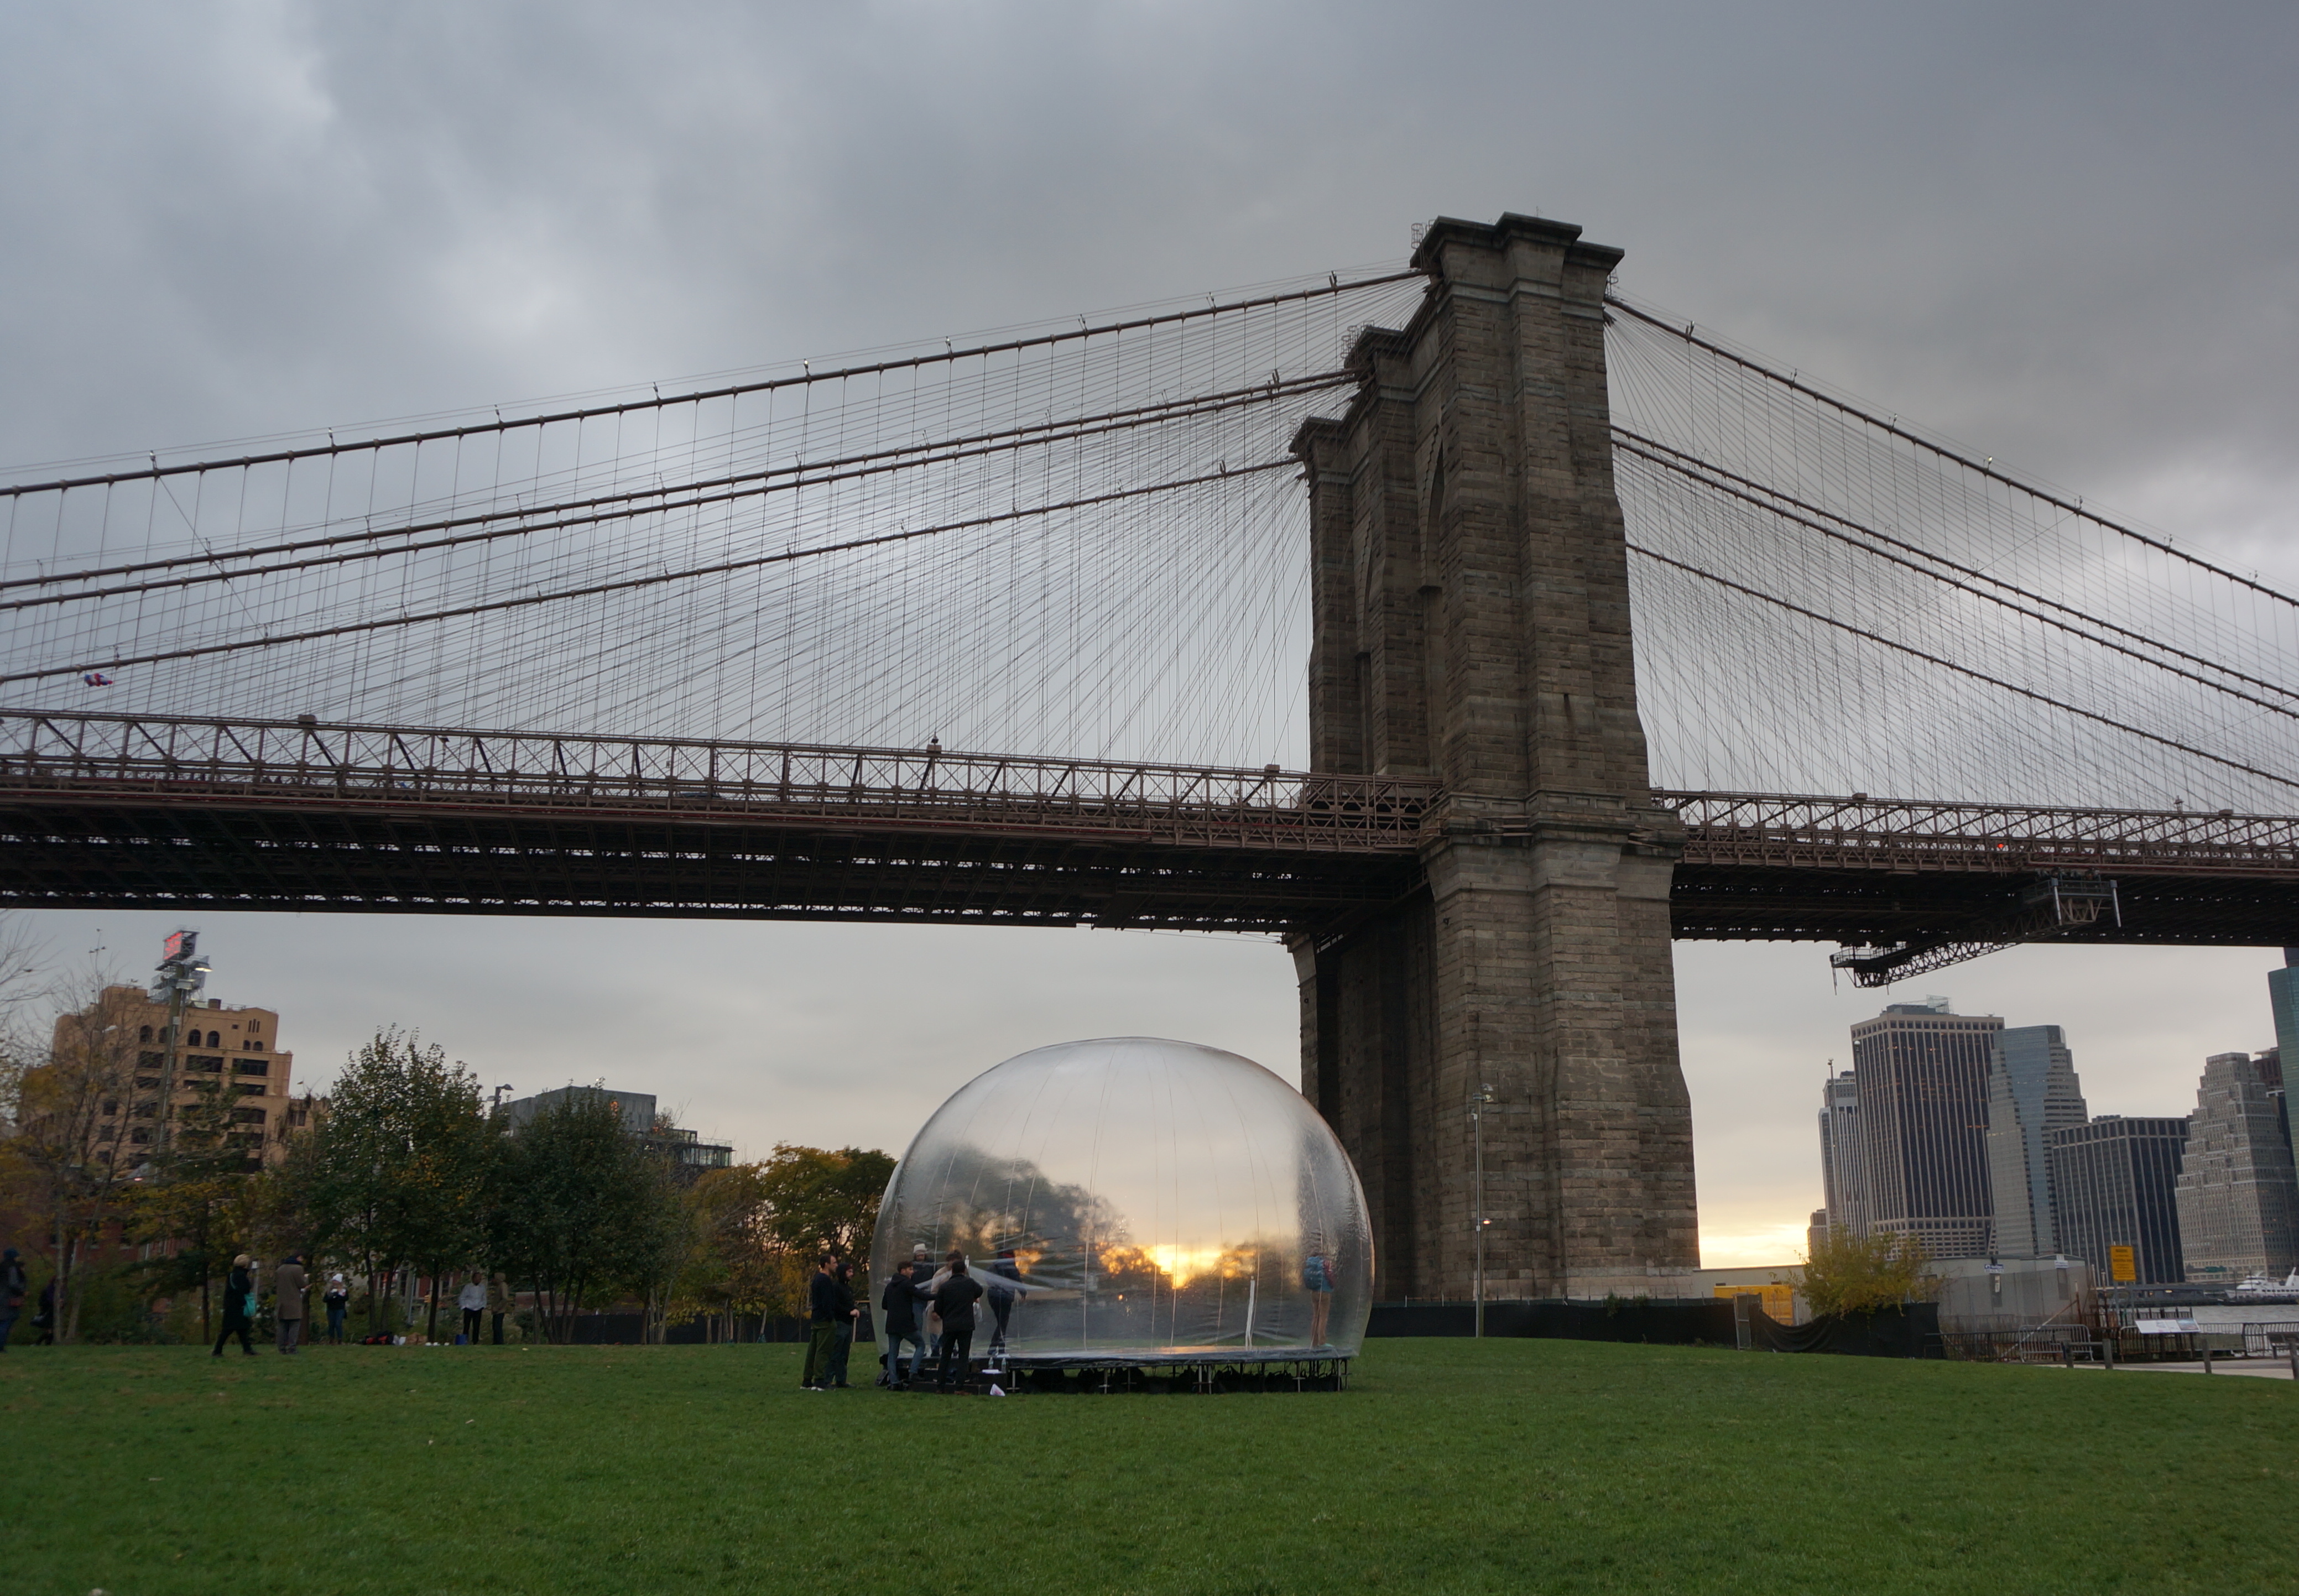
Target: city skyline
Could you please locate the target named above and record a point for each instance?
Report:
(1974, 1139)
(747, 1061)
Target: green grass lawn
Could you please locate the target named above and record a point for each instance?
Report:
(1503, 1466)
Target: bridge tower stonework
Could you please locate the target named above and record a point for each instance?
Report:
(1471, 624)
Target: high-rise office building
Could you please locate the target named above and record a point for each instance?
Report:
(2283, 998)
(2113, 1185)
(1841, 1165)
(2239, 1194)
(2031, 1091)
(1920, 1073)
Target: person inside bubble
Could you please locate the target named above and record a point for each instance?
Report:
(923, 1280)
(1317, 1280)
(1005, 1285)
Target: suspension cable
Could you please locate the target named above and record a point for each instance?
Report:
(1981, 468)
(1966, 670)
(627, 584)
(658, 499)
(1331, 288)
(1691, 469)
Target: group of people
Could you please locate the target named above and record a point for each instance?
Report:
(930, 1310)
(291, 1284)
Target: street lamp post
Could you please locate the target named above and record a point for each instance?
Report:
(1477, 1107)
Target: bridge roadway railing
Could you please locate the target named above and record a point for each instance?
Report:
(88, 756)
(1859, 833)
(130, 758)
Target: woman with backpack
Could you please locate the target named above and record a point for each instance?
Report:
(238, 1306)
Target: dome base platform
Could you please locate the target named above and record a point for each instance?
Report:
(1178, 1374)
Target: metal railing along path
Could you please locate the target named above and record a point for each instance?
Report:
(1860, 833)
(304, 762)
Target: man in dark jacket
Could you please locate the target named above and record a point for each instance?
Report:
(822, 1327)
(14, 1284)
(900, 1303)
(845, 1321)
(238, 1305)
(954, 1300)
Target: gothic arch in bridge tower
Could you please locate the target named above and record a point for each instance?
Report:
(1470, 623)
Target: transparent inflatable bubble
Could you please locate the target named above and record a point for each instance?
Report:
(1137, 1201)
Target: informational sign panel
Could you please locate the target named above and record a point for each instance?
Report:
(2122, 1265)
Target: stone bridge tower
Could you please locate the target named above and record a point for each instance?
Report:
(1470, 602)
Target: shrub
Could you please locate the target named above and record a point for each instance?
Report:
(1856, 1274)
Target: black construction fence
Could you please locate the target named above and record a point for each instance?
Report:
(1909, 1331)
(629, 1330)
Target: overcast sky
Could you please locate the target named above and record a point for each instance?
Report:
(2065, 234)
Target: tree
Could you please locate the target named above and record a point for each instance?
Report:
(740, 1269)
(575, 1196)
(1843, 1273)
(668, 1234)
(193, 1199)
(66, 1105)
(398, 1170)
(820, 1201)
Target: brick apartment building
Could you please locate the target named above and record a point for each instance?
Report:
(235, 1043)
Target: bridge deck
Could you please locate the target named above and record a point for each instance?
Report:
(128, 812)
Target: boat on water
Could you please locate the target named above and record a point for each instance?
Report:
(2266, 1288)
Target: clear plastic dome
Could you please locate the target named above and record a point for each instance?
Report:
(1138, 1201)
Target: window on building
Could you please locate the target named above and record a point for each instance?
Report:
(255, 1027)
(112, 1107)
(247, 1115)
(212, 1063)
(145, 1034)
(252, 1067)
(139, 1135)
(147, 1061)
(107, 1132)
(215, 1038)
(249, 1089)
(147, 1083)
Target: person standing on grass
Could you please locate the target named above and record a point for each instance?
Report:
(287, 1312)
(14, 1284)
(841, 1344)
(954, 1300)
(499, 1301)
(822, 1325)
(473, 1300)
(900, 1303)
(1317, 1280)
(335, 1299)
(238, 1305)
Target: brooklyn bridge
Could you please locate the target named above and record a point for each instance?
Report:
(1472, 626)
